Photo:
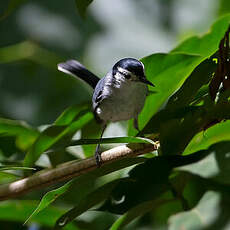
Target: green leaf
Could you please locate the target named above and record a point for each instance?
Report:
(224, 7)
(63, 130)
(207, 44)
(82, 6)
(200, 76)
(25, 135)
(204, 139)
(19, 210)
(169, 71)
(12, 5)
(88, 202)
(48, 198)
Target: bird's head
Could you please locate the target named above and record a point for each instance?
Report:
(132, 70)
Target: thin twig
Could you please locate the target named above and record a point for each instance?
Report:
(70, 170)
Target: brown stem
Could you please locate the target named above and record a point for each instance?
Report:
(70, 170)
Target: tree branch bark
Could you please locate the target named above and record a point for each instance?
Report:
(70, 170)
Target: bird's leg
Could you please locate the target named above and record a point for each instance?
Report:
(97, 153)
(135, 124)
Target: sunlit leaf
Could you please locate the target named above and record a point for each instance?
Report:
(48, 198)
(204, 139)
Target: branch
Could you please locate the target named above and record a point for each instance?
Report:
(70, 170)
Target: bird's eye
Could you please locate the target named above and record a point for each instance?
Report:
(127, 76)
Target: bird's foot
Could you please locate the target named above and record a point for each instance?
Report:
(98, 159)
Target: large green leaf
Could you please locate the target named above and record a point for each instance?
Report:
(62, 131)
(178, 104)
(169, 71)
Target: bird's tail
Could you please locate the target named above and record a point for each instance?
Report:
(76, 69)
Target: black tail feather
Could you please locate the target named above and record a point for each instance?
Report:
(76, 69)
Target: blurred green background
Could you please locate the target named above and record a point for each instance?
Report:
(39, 33)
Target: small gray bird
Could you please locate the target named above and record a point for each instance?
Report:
(120, 95)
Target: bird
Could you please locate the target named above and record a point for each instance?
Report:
(119, 95)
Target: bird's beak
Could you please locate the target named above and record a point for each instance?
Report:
(144, 80)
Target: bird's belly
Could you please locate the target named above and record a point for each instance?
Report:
(123, 104)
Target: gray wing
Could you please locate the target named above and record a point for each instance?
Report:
(98, 94)
(101, 92)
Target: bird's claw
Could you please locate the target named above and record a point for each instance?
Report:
(98, 159)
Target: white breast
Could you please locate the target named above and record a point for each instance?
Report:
(123, 101)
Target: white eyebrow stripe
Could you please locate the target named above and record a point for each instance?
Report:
(124, 71)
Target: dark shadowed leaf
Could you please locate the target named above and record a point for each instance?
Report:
(88, 202)
(12, 5)
(21, 210)
(82, 6)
